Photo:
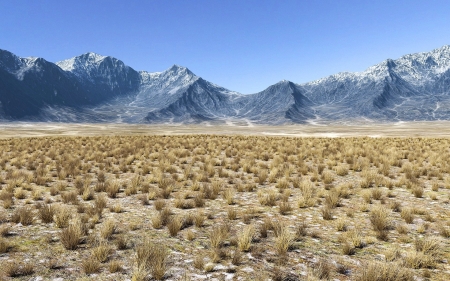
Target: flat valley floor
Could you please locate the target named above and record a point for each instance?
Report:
(398, 129)
(146, 202)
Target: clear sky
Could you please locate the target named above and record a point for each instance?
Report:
(243, 45)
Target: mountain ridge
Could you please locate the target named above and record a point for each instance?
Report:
(97, 88)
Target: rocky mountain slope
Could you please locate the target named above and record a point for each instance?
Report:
(95, 88)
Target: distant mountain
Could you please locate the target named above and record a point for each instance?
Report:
(95, 88)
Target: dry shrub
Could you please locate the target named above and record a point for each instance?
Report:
(116, 208)
(153, 257)
(101, 201)
(231, 213)
(70, 237)
(4, 245)
(112, 189)
(381, 222)
(245, 238)
(175, 225)
(341, 225)
(218, 235)
(384, 271)
(17, 269)
(70, 197)
(443, 231)
(165, 215)
(402, 229)
(88, 194)
(323, 269)
(285, 208)
(159, 204)
(228, 195)
(377, 193)
(156, 222)
(62, 216)
(341, 170)
(282, 184)
(428, 253)
(268, 198)
(20, 193)
(327, 177)
(283, 241)
(46, 213)
(199, 201)
(190, 235)
(121, 242)
(199, 219)
(4, 230)
(332, 200)
(262, 176)
(108, 228)
(408, 215)
(115, 266)
(24, 215)
(327, 212)
(418, 191)
(90, 265)
(348, 249)
(199, 262)
(101, 252)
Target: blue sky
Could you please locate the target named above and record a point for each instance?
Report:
(243, 45)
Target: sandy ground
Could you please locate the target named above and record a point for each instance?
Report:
(399, 129)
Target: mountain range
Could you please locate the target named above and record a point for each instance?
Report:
(95, 88)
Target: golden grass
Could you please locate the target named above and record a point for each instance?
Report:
(268, 203)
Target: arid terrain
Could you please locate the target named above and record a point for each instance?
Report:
(358, 129)
(137, 202)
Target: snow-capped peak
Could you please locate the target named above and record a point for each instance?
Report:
(81, 61)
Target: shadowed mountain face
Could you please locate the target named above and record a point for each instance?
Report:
(95, 88)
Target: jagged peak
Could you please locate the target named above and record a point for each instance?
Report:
(180, 70)
(283, 84)
(91, 56)
(85, 61)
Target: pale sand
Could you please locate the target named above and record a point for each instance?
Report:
(400, 129)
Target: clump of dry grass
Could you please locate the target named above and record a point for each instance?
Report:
(199, 262)
(90, 265)
(16, 268)
(24, 215)
(245, 238)
(323, 269)
(102, 252)
(231, 213)
(327, 212)
(283, 241)
(381, 222)
(408, 215)
(4, 246)
(218, 234)
(384, 272)
(46, 213)
(70, 236)
(285, 208)
(175, 225)
(108, 228)
(152, 256)
(62, 216)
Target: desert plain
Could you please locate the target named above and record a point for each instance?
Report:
(225, 202)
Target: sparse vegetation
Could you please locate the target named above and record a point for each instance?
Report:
(132, 206)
